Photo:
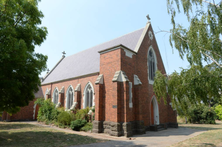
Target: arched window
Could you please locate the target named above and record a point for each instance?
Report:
(56, 96)
(152, 65)
(69, 97)
(88, 95)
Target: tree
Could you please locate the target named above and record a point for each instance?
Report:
(201, 44)
(20, 65)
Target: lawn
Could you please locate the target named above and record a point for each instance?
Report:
(211, 138)
(25, 135)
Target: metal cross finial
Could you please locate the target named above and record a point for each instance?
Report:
(148, 17)
(47, 71)
(63, 53)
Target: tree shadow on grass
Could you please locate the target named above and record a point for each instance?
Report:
(203, 145)
(9, 126)
(113, 144)
(51, 139)
(43, 139)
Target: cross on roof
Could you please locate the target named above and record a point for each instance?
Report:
(63, 53)
(148, 17)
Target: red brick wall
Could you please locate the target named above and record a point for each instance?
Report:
(117, 93)
(110, 63)
(74, 82)
(166, 113)
(25, 113)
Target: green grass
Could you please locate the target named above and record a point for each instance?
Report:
(25, 135)
(211, 138)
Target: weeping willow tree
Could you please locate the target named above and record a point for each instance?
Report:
(200, 43)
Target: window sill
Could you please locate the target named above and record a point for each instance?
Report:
(151, 82)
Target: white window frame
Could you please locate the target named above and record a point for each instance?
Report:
(67, 96)
(56, 89)
(155, 64)
(93, 94)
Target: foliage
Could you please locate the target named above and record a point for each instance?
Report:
(189, 87)
(93, 109)
(20, 66)
(82, 114)
(181, 119)
(201, 44)
(65, 118)
(77, 124)
(201, 114)
(47, 111)
(218, 110)
(201, 40)
(88, 126)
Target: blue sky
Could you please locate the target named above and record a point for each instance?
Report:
(74, 26)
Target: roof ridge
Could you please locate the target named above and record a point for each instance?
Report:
(107, 42)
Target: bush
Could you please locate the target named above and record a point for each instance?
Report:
(201, 114)
(218, 111)
(77, 124)
(82, 114)
(87, 127)
(47, 111)
(65, 118)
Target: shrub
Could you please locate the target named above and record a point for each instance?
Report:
(82, 114)
(87, 127)
(218, 111)
(77, 124)
(47, 111)
(64, 118)
(93, 109)
(201, 114)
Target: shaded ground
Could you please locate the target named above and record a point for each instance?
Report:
(151, 139)
(21, 135)
(185, 135)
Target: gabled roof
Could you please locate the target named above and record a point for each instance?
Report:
(39, 93)
(88, 61)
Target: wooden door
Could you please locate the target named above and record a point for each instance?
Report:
(36, 111)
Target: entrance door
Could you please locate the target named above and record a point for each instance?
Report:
(154, 112)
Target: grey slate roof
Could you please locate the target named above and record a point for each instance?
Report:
(39, 93)
(88, 61)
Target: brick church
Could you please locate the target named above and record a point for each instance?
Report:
(117, 78)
